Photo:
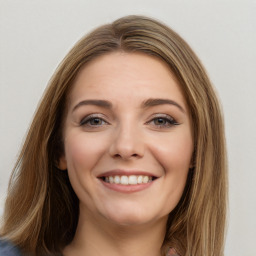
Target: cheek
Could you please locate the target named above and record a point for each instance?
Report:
(174, 155)
(174, 152)
(83, 151)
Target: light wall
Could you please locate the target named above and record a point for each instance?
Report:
(35, 36)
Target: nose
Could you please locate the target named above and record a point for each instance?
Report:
(127, 143)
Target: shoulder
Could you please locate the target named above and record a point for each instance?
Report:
(8, 249)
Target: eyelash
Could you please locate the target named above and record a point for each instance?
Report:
(168, 121)
(86, 121)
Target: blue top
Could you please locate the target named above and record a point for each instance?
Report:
(8, 249)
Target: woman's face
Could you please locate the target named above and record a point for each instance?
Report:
(128, 139)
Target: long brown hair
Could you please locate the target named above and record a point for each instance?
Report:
(41, 210)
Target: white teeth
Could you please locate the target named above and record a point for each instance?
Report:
(111, 179)
(117, 180)
(128, 180)
(124, 180)
(139, 180)
(145, 179)
(133, 180)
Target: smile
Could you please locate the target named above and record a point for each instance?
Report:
(128, 179)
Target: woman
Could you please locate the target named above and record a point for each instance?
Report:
(126, 152)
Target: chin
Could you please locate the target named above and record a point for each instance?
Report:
(131, 217)
(126, 221)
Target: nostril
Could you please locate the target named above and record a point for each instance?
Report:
(126, 156)
(126, 149)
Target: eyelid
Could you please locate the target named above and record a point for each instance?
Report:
(172, 121)
(92, 116)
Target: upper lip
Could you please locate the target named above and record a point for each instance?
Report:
(121, 172)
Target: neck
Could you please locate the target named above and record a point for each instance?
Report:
(101, 237)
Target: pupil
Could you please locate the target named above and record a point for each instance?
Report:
(160, 121)
(95, 121)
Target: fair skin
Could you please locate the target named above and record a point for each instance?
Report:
(126, 120)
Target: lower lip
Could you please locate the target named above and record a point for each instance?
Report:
(127, 188)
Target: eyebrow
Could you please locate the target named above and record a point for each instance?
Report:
(156, 102)
(145, 104)
(100, 103)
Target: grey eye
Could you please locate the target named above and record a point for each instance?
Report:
(92, 121)
(160, 121)
(95, 121)
(165, 121)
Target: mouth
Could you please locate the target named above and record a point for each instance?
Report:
(128, 180)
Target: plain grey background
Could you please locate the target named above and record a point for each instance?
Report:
(36, 34)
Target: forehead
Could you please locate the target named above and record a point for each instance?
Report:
(120, 75)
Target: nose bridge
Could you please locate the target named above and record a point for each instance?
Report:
(127, 141)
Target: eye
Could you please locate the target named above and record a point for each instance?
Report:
(163, 121)
(93, 121)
